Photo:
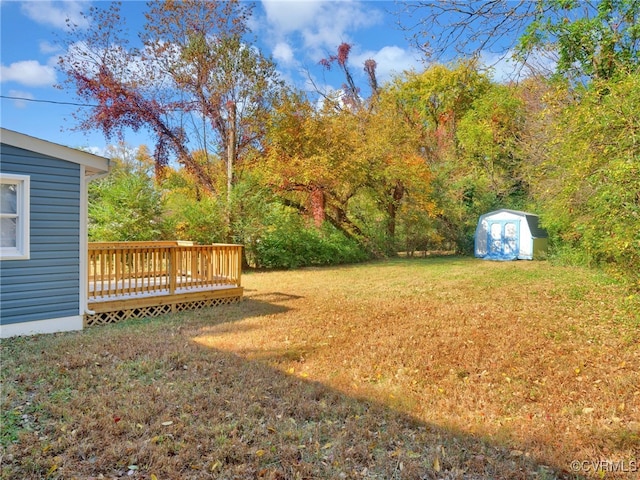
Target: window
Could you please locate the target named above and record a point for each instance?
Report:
(14, 217)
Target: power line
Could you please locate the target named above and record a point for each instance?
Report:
(9, 97)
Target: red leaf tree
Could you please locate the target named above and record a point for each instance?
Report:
(193, 81)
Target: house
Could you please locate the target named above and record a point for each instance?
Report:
(509, 235)
(43, 230)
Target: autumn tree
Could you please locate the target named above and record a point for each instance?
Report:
(435, 102)
(193, 80)
(190, 212)
(309, 159)
(381, 162)
(355, 169)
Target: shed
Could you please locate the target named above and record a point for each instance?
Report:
(509, 235)
(43, 233)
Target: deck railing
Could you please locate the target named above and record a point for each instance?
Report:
(130, 268)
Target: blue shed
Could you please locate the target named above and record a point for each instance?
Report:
(509, 235)
(43, 234)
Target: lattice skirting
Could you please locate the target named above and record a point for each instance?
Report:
(155, 310)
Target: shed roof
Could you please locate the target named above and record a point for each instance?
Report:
(531, 218)
(94, 164)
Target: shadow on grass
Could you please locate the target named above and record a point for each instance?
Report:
(145, 399)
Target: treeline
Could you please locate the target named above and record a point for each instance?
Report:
(240, 156)
(413, 169)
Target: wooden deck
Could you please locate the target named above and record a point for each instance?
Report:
(142, 279)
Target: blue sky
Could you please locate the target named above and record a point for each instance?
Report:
(296, 33)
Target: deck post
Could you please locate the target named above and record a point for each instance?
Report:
(173, 270)
(239, 264)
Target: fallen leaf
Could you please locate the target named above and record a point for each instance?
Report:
(436, 464)
(260, 453)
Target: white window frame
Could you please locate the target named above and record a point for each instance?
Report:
(22, 249)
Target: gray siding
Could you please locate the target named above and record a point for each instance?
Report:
(48, 284)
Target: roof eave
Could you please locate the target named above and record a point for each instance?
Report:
(94, 164)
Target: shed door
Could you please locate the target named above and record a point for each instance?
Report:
(503, 239)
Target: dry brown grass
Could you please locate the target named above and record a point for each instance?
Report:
(430, 368)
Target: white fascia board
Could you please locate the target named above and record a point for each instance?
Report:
(94, 163)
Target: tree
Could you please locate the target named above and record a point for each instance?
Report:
(309, 159)
(435, 102)
(436, 99)
(351, 93)
(192, 212)
(589, 184)
(586, 39)
(398, 176)
(444, 30)
(194, 82)
(489, 137)
(126, 205)
(595, 40)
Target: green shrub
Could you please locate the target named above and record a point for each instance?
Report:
(290, 243)
(125, 206)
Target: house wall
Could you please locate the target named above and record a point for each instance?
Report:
(46, 287)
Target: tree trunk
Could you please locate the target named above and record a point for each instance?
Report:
(318, 206)
(397, 193)
(231, 152)
(231, 156)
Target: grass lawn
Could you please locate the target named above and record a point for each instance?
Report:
(431, 368)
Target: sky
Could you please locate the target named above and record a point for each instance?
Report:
(297, 34)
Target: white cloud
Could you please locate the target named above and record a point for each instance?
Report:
(318, 26)
(390, 60)
(283, 53)
(288, 16)
(28, 72)
(56, 14)
(18, 103)
(504, 67)
(48, 48)
(96, 150)
(333, 25)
